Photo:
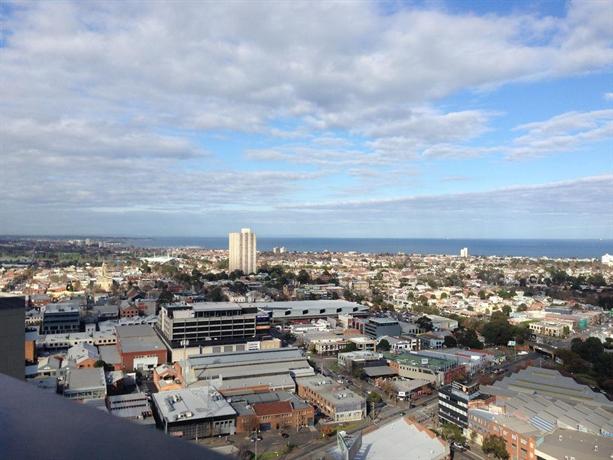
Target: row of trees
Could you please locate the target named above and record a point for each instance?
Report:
(590, 361)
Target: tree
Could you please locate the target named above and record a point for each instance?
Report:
(498, 331)
(468, 338)
(107, 367)
(506, 309)
(495, 445)
(235, 274)
(450, 341)
(452, 433)
(383, 345)
(350, 346)
(425, 323)
(589, 350)
(165, 297)
(303, 277)
(216, 295)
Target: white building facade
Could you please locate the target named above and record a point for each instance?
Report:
(243, 251)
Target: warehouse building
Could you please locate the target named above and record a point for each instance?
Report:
(249, 371)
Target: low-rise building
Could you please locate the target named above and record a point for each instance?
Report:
(402, 438)
(65, 341)
(245, 372)
(167, 377)
(134, 406)
(84, 383)
(401, 344)
(438, 371)
(140, 347)
(550, 328)
(336, 401)
(194, 413)
(61, 318)
(271, 411)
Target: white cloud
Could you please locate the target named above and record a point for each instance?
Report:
(104, 103)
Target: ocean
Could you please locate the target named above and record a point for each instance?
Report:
(479, 247)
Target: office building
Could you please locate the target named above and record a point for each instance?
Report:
(211, 323)
(378, 327)
(194, 413)
(454, 401)
(61, 318)
(242, 254)
(464, 252)
(12, 336)
(335, 400)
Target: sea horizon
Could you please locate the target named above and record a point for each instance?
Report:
(579, 248)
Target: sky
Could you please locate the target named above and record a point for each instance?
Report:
(437, 119)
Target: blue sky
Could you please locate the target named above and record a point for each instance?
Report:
(352, 119)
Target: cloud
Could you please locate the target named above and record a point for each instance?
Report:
(608, 96)
(517, 211)
(111, 105)
(562, 133)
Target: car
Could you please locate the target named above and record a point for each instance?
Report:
(285, 435)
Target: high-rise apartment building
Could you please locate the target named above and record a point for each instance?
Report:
(243, 251)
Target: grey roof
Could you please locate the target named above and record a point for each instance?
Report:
(306, 304)
(574, 444)
(109, 354)
(383, 321)
(138, 338)
(547, 382)
(338, 396)
(191, 404)
(379, 371)
(410, 385)
(246, 357)
(243, 404)
(85, 379)
(401, 438)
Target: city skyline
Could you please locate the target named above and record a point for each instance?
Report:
(369, 119)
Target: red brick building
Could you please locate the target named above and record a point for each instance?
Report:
(140, 348)
(271, 411)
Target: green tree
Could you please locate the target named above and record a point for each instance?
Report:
(216, 295)
(452, 433)
(450, 341)
(506, 309)
(425, 323)
(383, 345)
(468, 338)
(165, 297)
(350, 346)
(495, 445)
(303, 277)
